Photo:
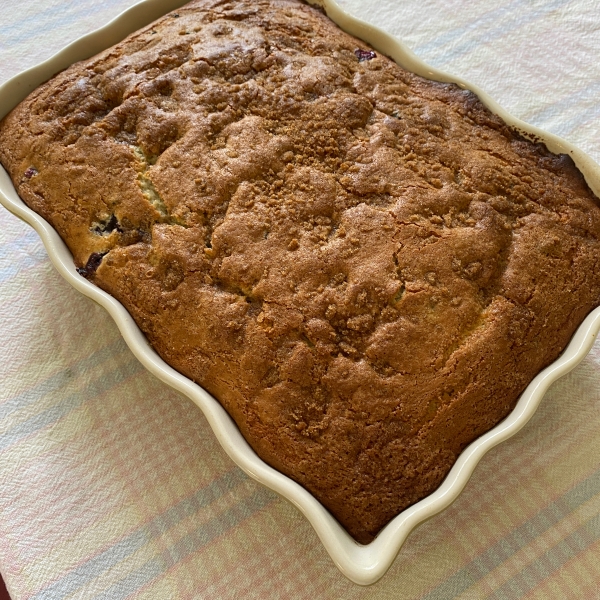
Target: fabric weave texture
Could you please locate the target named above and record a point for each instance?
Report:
(113, 486)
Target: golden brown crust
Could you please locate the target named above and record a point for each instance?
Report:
(365, 267)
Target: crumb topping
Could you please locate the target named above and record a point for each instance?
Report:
(365, 267)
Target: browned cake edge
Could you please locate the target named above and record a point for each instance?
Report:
(500, 264)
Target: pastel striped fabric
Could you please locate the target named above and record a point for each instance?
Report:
(112, 486)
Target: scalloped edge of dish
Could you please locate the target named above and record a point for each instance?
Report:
(363, 564)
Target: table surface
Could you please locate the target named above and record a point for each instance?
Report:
(113, 486)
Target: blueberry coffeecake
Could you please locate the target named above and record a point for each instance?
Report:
(366, 268)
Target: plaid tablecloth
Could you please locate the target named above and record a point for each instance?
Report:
(112, 486)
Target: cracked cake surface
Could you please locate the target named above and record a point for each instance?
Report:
(366, 268)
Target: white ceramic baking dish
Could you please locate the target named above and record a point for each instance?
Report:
(363, 564)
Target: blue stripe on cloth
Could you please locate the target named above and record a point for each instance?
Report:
(566, 103)
(27, 262)
(549, 562)
(25, 252)
(52, 17)
(519, 21)
(518, 538)
(29, 237)
(580, 119)
(71, 402)
(61, 378)
(120, 550)
(189, 544)
(477, 24)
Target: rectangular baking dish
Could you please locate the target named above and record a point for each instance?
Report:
(363, 564)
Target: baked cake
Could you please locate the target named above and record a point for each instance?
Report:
(366, 268)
